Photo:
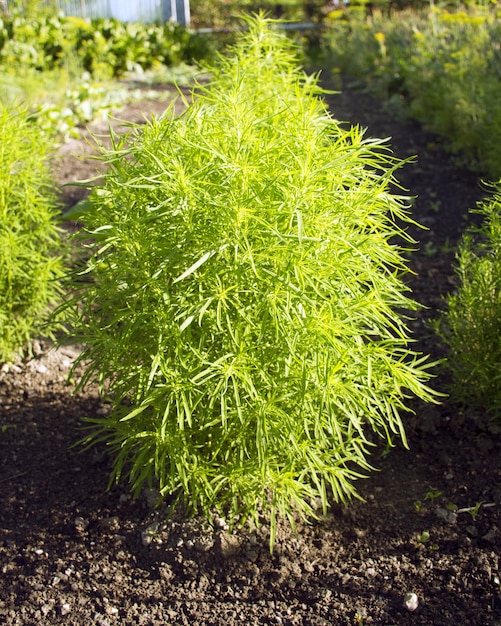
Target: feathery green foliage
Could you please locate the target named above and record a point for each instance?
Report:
(239, 301)
(30, 244)
(471, 324)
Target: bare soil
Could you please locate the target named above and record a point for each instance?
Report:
(73, 553)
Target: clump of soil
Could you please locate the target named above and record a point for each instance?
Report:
(423, 548)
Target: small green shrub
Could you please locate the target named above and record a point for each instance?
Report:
(238, 305)
(471, 324)
(30, 244)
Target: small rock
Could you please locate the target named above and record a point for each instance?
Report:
(36, 348)
(252, 540)
(252, 555)
(220, 523)
(81, 524)
(111, 610)
(203, 545)
(472, 531)
(322, 594)
(166, 572)
(65, 608)
(230, 545)
(411, 601)
(47, 607)
(448, 516)
(489, 536)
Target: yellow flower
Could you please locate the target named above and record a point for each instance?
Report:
(79, 22)
(336, 14)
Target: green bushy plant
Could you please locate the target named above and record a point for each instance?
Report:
(471, 323)
(239, 301)
(30, 243)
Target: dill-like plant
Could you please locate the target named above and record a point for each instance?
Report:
(239, 301)
(30, 243)
(471, 323)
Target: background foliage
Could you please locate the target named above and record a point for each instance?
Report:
(67, 70)
(30, 243)
(441, 67)
(103, 47)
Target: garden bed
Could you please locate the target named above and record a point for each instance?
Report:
(73, 553)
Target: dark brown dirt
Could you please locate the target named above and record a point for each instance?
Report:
(72, 553)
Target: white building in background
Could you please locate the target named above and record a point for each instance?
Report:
(126, 10)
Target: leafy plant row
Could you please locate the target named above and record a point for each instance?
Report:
(221, 14)
(471, 324)
(442, 68)
(103, 47)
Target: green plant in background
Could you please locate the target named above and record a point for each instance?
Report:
(106, 48)
(239, 302)
(441, 67)
(221, 14)
(30, 243)
(66, 70)
(87, 102)
(471, 323)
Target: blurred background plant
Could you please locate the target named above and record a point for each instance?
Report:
(31, 248)
(441, 66)
(69, 71)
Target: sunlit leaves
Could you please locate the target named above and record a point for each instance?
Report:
(243, 295)
(30, 244)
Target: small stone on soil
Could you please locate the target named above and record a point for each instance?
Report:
(411, 601)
